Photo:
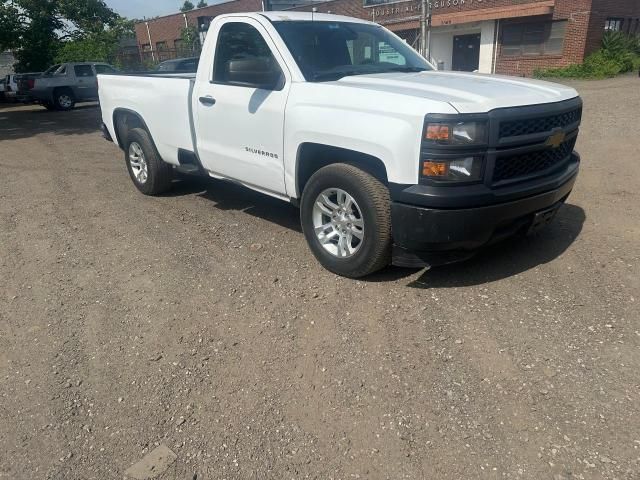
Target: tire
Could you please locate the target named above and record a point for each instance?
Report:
(63, 99)
(149, 173)
(365, 244)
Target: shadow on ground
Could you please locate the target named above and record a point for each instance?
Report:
(230, 196)
(506, 259)
(17, 122)
(511, 257)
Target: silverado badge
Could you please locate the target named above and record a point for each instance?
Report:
(555, 140)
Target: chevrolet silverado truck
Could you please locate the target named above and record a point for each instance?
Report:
(389, 160)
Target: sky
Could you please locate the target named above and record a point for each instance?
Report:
(148, 8)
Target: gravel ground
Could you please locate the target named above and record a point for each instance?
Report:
(200, 321)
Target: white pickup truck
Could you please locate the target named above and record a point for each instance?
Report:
(389, 160)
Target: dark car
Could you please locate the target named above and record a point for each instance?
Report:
(179, 65)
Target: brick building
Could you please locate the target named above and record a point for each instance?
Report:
(493, 36)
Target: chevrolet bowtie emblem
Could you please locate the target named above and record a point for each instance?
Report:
(555, 140)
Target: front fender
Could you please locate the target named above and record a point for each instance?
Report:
(393, 140)
(387, 126)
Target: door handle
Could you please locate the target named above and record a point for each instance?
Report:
(209, 101)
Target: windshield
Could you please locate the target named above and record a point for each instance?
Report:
(332, 50)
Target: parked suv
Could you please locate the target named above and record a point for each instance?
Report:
(62, 85)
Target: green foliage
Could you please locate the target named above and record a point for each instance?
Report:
(202, 4)
(99, 47)
(620, 53)
(187, 6)
(190, 38)
(38, 30)
(9, 23)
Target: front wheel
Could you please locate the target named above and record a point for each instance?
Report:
(346, 219)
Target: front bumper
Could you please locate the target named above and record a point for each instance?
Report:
(105, 132)
(425, 236)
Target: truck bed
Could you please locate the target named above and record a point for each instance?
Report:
(163, 100)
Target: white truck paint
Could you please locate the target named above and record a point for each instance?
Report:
(254, 136)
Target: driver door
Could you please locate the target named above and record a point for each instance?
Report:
(239, 121)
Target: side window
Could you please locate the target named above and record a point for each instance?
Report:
(240, 41)
(83, 71)
(100, 69)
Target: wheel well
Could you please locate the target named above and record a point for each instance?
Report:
(313, 156)
(125, 120)
(61, 89)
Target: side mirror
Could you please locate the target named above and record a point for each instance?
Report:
(254, 72)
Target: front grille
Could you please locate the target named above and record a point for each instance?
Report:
(515, 128)
(524, 165)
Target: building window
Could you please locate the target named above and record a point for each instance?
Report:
(524, 39)
(160, 46)
(614, 24)
(146, 47)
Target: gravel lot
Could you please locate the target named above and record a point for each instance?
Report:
(200, 321)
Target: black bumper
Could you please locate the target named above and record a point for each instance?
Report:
(426, 236)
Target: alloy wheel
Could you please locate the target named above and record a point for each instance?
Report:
(338, 223)
(138, 163)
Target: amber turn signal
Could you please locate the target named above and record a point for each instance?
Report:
(434, 169)
(437, 132)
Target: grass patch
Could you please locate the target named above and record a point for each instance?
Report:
(620, 53)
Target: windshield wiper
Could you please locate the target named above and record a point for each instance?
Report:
(336, 75)
(347, 73)
(408, 69)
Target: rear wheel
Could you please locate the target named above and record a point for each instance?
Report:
(63, 99)
(150, 174)
(346, 218)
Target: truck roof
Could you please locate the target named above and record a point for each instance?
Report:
(284, 16)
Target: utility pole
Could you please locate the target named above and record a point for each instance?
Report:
(425, 28)
(153, 55)
(428, 30)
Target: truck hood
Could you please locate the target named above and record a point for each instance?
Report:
(466, 92)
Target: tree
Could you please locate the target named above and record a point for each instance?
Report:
(100, 46)
(9, 23)
(202, 4)
(190, 39)
(37, 29)
(187, 6)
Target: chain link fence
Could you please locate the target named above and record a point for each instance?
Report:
(140, 59)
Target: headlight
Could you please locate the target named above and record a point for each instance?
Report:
(456, 133)
(466, 169)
